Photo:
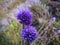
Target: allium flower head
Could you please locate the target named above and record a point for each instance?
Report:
(29, 34)
(25, 17)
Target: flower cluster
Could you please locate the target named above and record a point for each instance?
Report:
(25, 17)
(29, 34)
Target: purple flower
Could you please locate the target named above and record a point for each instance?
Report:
(58, 31)
(29, 34)
(25, 17)
(54, 18)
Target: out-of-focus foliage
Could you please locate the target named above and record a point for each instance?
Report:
(2, 16)
(57, 24)
(14, 5)
(12, 37)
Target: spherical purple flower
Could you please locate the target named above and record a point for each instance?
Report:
(25, 17)
(29, 34)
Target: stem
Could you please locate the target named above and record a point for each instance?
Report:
(23, 40)
(23, 26)
(27, 43)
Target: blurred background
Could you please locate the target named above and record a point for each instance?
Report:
(46, 19)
